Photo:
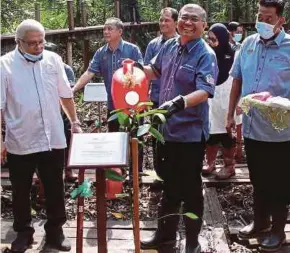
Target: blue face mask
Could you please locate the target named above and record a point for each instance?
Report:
(238, 37)
(32, 57)
(265, 30)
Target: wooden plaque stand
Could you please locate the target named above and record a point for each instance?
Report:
(83, 148)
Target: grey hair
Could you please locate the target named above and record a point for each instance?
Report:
(28, 25)
(195, 6)
(116, 22)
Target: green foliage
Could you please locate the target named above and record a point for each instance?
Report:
(133, 120)
(113, 175)
(84, 190)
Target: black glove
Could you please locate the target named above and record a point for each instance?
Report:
(175, 105)
(138, 65)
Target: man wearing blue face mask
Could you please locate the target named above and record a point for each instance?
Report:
(236, 35)
(263, 64)
(33, 84)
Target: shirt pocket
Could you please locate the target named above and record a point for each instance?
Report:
(50, 79)
(185, 75)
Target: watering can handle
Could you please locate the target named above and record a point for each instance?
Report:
(128, 65)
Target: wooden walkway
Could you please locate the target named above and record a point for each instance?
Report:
(216, 233)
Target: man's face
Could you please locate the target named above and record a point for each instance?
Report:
(166, 23)
(269, 15)
(112, 33)
(32, 43)
(190, 24)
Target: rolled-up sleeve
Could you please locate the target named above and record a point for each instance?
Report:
(207, 73)
(148, 54)
(236, 71)
(95, 64)
(63, 85)
(138, 56)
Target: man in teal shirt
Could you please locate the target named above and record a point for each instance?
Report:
(263, 64)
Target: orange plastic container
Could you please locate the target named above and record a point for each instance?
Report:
(129, 87)
(113, 187)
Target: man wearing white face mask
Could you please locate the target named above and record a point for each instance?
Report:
(33, 83)
(263, 64)
(236, 35)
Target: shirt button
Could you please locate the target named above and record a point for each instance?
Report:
(263, 57)
(256, 80)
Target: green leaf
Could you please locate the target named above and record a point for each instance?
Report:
(113, 117)
(113, 175)
(97, 124)
(144, 129)
(156, 134)
(145, 104)
(118, 110)
(191, 216)
(150, 113)
(159, 118)
(123, 119)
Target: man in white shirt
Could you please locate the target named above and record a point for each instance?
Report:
(33, 84)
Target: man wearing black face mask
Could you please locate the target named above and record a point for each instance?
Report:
(261, 65)
(33, 84)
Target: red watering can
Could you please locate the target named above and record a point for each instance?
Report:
(129, 87)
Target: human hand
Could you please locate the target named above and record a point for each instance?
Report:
(76, 127)
(173, 106)
(3, 153)
(231, 124)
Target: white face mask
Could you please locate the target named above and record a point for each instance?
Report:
(265, 30)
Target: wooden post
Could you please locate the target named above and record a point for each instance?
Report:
(70, 27)
(70, 13)
(136, 225)
(80, 215)
(101, 210)
(86, 41)
(37, 11)
(117, 9)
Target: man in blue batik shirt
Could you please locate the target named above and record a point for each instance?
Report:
(167, 25)
(187, 69)
(108, 59)
(263, 64)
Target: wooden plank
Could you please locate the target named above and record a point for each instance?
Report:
(212, 209)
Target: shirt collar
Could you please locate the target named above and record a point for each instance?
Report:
(279, 38)
(189, 45)
(162, 39)
(120, 46)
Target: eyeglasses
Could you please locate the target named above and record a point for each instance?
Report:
(34, 43)
(193, 19)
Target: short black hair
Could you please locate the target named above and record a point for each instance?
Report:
(233, 26)
(174, 12)
(278, 4)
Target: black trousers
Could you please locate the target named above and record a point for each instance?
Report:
(50, 168)
(132, 7)
(269, 168)
(180, 167)
(224, 139)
